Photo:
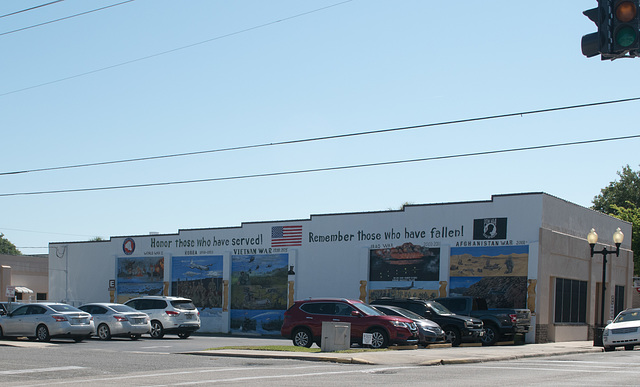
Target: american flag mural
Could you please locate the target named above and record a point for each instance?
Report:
(282, 236)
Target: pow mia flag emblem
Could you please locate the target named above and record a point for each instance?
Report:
(490, 228)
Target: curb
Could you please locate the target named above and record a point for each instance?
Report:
(284, 355)
(371, 360)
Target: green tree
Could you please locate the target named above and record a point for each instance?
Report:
(7, 247)
(619, 192)
(631, 213)
(621, 198)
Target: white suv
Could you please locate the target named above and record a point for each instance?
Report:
(168, 315)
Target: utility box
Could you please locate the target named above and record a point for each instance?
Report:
(336, 336)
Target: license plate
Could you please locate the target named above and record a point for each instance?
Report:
(78, 321)
(189, 316)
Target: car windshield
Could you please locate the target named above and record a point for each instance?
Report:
(122, 308)
(439, 308)
(183, 304)
(409, 314)
(64, 308)
(368, 310)
(632, 315)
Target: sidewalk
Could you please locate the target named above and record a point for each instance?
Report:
(426, 357)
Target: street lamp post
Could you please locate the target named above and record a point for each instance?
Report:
(592, 238)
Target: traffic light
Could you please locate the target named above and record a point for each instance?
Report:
(597, 42)
(618, 33)
(625, 28)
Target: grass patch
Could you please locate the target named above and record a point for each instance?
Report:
(291, 348)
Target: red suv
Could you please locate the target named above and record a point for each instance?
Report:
(303, 322)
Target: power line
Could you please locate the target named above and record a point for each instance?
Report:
(65, 18)
(344, 167)
(45, 232)
(322, 138)
(172, 50)
(30, 9)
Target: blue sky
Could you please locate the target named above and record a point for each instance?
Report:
(255, 72)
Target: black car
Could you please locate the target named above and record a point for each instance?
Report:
(457, 328)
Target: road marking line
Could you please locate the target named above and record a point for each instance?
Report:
(516, 368)
(34, 370)
(163, 374)
(262, 377)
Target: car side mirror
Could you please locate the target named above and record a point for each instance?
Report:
(355, 313)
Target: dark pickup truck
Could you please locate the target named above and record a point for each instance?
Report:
(499, 324)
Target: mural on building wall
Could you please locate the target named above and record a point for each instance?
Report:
(258, 293)
(496, 273)
(404, 271)
(199, 278)
(139, 276)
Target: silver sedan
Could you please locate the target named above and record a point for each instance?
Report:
(117, 320)
(44, 320)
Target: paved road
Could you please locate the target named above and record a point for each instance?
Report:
(160, 362)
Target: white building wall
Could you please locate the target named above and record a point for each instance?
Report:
(332, 259)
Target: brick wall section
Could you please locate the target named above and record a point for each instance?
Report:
(542, 333)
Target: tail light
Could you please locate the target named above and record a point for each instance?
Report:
(514, 318)
(59, 318)
(120, 318)
(171, 313)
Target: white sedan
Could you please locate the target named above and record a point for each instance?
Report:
(44, 320)
(117, 320)
(624, 331)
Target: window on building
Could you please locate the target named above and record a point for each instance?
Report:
(571, 301)
(619, 300)
(41, 296)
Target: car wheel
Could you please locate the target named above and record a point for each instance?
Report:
(104, 333)
(452, 335)
(379, 339)
(184, 335)
(157, 331)
(135, 336)
(629, 347)
(302, 338)
(1, 334)
(609, 349)
(42, 333)
(490, 336)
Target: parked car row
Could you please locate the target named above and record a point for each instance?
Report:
(303, 323)
(155, 315)
(457, 328)
(391, 321)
